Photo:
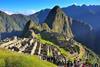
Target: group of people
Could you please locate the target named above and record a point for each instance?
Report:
(67, 63)
(80, 64)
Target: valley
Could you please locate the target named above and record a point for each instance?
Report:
(52, 42)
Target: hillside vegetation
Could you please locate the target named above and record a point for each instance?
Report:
(84, 52)
(14, 59)
(47, 45)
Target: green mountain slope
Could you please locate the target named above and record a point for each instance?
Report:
(13, 22)
(61, 37)
(8, 23)
(52, 41)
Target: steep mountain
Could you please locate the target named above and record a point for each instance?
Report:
(41, 15)
(80, 13)
(88, 14)
(84, 25)
(12, 25)
(30, 25)
(84, 34)
(22, 19)
(59, 22)
(55, 45)
(7, 23)
(14, 22)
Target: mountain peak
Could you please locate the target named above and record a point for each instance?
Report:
(54, 15)
(29, 25)
(1, 12)
(58, 21)
(56, 7)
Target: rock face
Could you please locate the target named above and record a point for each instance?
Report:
(29, 25)
(59, 22)
(7, 23)
(28, 29)
(15, 22)
(81, 16)
(58, 44)
(21, 19)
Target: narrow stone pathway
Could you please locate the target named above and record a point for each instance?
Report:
(34, 48)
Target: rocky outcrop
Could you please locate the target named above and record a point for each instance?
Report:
(59, 22)
(52, 41)
(30, 29)
(45, 27)
(82, 31)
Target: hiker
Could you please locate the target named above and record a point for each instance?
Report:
(96, 65)
(83, 65)
(69, 64)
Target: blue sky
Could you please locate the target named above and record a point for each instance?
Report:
(31, 6)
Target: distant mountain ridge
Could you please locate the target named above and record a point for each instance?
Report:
(7, 23)
(86, 32)
(14, 22)
(85, 14)
(89, 14)
(53, 40)
(80, 13)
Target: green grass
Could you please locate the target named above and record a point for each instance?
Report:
(38, 36)
(64, 52)
(14, 59)
(78, 46)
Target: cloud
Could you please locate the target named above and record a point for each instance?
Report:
(25, 12)
(9, 12)
(33, 11)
